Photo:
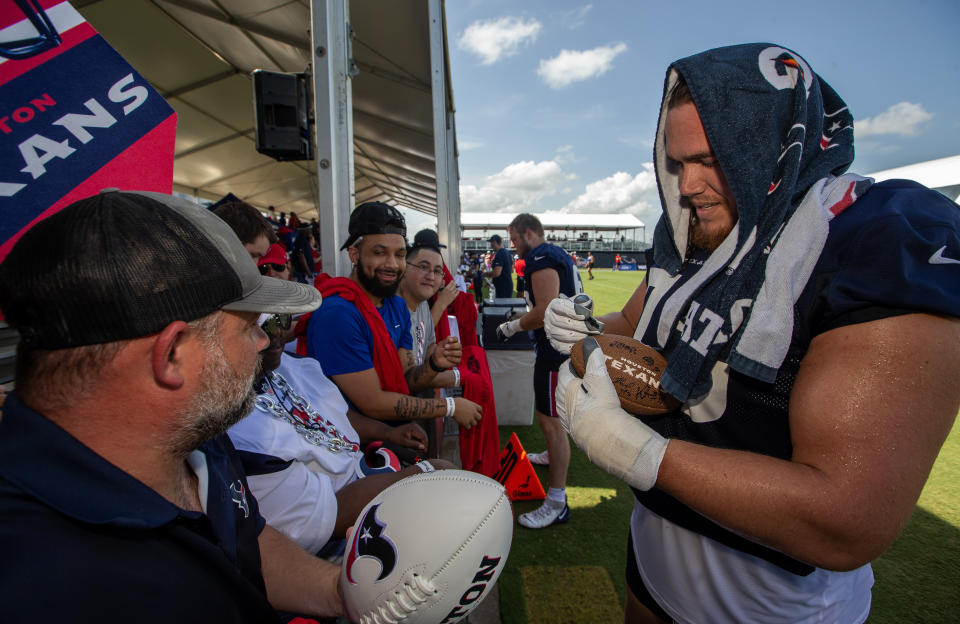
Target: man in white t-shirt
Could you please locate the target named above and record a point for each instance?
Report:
(302, 448)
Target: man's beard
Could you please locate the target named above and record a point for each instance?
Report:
(225, 397)
(702, 239)
(373, 285)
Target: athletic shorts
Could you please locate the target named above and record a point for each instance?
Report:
(544, 385)
(636, 585)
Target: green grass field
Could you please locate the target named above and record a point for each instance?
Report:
(917, 579)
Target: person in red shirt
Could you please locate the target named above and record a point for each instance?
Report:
(518, 266)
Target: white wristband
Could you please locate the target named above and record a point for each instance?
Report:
(456, 376)
(451, 407)
(426, 466)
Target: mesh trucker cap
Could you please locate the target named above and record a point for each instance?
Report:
(374, 218)
(121, 265)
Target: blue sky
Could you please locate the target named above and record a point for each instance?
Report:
(556, 101)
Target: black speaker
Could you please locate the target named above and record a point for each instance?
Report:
(281, 105)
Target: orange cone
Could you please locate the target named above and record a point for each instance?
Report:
(516, 473)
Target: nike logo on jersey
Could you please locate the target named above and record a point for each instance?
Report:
(539, 257)
(939, 258)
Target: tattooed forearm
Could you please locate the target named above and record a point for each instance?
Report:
(412, 408)
(419, 377)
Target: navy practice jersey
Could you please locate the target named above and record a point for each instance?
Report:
(894, 251)
(547, 256)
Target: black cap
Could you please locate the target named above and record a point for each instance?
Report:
(495, 239)
(374, 218)
(427, 238)
(122, 265)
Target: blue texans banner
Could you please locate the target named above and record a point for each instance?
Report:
(75, 117)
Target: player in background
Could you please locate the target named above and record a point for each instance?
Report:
(549, 273)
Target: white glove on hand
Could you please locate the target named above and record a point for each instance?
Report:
(506, 330)
(614, 440)
(567, 321)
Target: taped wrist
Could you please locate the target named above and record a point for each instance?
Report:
(621, 445)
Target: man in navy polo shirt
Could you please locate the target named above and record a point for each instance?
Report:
(120, 497)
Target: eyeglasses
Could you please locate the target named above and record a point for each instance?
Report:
(425, 268)
(266, 268)
(277, 322)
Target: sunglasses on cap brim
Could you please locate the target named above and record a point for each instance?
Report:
(276, 322)
(269, 266)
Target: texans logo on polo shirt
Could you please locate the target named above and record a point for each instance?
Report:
(238, 494)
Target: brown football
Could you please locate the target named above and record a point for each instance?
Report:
(635, 370)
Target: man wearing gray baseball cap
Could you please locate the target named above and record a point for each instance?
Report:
(120, 497)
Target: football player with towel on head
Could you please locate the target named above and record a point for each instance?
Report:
(809, 321)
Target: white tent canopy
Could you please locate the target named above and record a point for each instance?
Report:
(384, 105)
(575, 232)
(552, 221)
(941, 175)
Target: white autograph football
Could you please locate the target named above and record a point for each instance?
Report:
(427, 549)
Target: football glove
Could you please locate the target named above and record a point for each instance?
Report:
(506, 330)
(590, 411)
(567, 321)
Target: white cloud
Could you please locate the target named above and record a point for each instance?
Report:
(526, 186)
(467, 145)
(573, 66)
(564, 154)
(903, 118)
(621, 193)
(575, 18)
(492, 40)
(519, 187)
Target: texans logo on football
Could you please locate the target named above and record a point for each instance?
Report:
(369, 541)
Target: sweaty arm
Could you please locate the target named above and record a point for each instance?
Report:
(869, 411)
(624, 322)
(545, 284)
(296, 580)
